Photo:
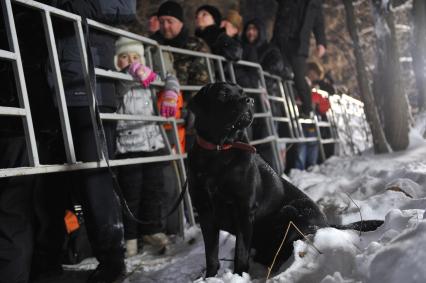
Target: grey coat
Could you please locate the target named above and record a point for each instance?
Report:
(135, 136)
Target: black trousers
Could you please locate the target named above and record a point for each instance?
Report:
(299, 66)
(297, 61)
(144, 189)
(16, 211)
(51, 198)
(101, 206)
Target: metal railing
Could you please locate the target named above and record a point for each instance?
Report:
(72, 164)
(215, 66)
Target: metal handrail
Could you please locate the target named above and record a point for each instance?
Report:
(285, 95)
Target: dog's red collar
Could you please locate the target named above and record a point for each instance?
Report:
(211, 146)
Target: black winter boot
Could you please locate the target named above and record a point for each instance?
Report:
(108, 272)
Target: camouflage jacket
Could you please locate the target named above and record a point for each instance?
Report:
(190, 70)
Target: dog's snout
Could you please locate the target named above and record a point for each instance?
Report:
(250, 101)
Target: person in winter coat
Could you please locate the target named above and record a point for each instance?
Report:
(257, 49)
(190, 70)
(294, 22)
(232, 23)
(143, 185)
(221, 40)
(307, 153)
(101, 207)
(29, 247)
(207, 24)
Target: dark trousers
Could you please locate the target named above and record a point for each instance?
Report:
(101, 206)
(290, 52)
(299, 66)
(16, 210)
(51, 198)
(146, 195)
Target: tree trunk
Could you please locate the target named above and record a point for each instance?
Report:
(389, 82)
(379, 140)
(419, 60)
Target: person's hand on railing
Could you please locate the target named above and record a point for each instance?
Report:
(142, 73)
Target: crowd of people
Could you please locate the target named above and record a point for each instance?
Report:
(32, 208)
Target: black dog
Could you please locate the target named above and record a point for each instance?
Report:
(235, 190)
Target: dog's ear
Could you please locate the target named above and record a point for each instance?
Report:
(197, 104)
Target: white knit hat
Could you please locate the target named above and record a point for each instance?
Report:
(126, 45)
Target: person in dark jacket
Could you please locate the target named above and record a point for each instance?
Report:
(22, 228)
(102, 210)
(256, 48)
(221, 41)
(294, 22)
(16, 204)
(207, 24)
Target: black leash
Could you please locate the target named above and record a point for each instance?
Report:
(100, 136)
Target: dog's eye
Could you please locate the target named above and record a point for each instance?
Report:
(223, 95)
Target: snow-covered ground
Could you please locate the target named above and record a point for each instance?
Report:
(390, 187)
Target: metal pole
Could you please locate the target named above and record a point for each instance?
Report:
(184, 177)
(294, 109)
(221, 72)
(270, 124)
(230, 67)
(209, 69)
(286, 108)
(21, 86)
(59, 88)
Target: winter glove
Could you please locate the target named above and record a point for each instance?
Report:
(168, 106)
(142, 73)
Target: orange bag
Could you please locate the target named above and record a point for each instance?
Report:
(71, 221)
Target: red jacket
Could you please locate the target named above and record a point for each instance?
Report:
(321, 104)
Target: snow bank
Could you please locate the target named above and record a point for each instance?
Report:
(391, 187)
